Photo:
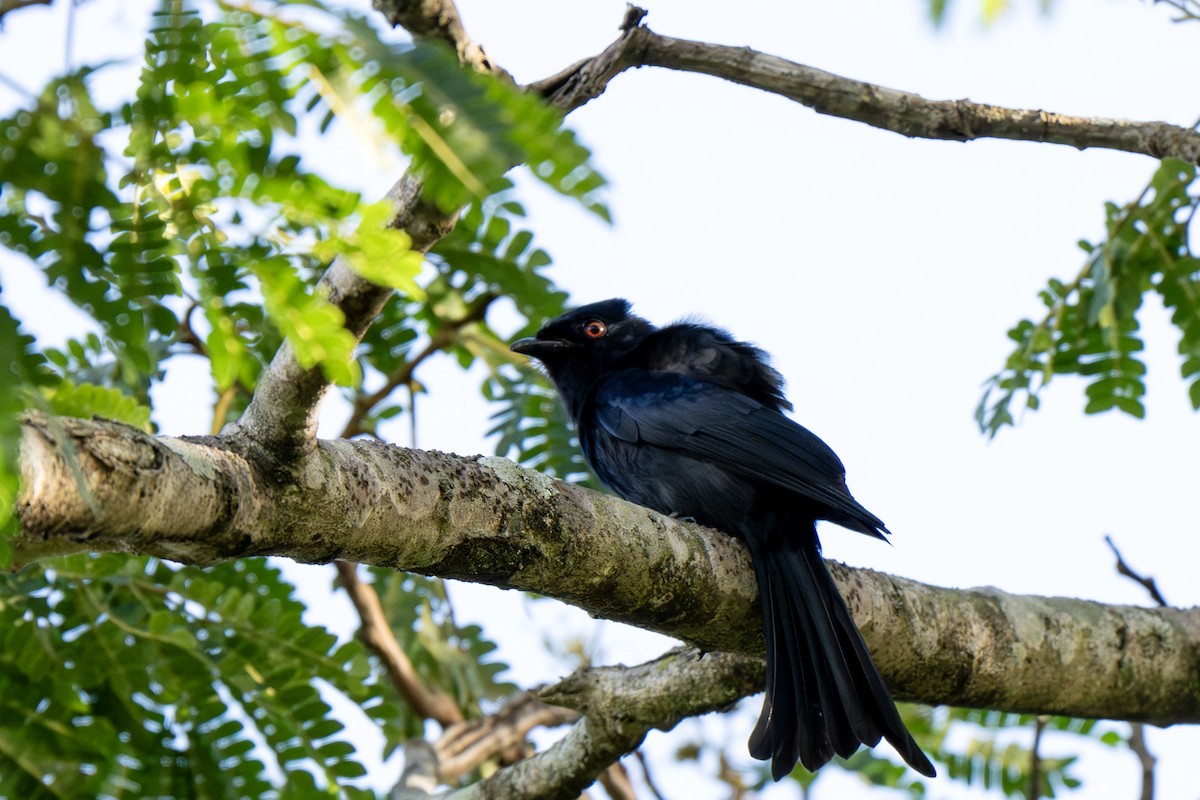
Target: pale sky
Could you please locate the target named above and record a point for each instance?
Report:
(881, 272)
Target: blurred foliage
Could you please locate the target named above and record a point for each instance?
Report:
(989, 750)
(124, 677)
(181, 221)
(989, 11)
(1091, 327)
(22, 370)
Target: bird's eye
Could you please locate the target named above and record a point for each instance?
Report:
(594, 329)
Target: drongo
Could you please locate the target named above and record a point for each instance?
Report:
(688, 421)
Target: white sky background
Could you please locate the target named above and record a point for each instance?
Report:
(881, 272)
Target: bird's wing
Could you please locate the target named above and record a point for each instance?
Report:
(724, 427)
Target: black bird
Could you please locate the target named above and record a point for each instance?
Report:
(688, 421)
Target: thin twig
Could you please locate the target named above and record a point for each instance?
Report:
(441, 339)
(1035, 759)
(616, 783)
(429, 702)
(654, 790)
(1137, 743)
(1188, 9)
(1124, 569)
(1137, 730)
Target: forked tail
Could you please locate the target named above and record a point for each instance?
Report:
(823, 695)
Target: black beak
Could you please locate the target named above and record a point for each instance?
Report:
(536, 348)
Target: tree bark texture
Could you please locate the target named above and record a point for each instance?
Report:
(102, 486)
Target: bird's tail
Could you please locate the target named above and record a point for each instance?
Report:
(823, 693)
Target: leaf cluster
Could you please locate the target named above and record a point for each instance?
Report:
(129, 678)
(182, 222)
(1091, 327)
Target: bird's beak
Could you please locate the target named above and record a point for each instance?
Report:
(535, 348)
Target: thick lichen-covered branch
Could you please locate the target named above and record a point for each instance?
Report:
(200, 500)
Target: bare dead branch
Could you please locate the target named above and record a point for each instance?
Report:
(902, 112)
(1147, 583)
(466, 745)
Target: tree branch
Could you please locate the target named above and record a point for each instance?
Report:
(890, 109)
(467, 745)
(1137, 730)
(438, 20)
(620, 706)
(198, 500)
(441, 339)
(428, 702)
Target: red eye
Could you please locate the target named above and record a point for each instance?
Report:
(594, 329)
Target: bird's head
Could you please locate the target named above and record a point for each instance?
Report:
(582, 345)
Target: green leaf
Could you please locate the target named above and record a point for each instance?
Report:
(22, 369)
(87, 400)
(1091, 326)
(315, 328)
(462, 130)
(380, 253)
